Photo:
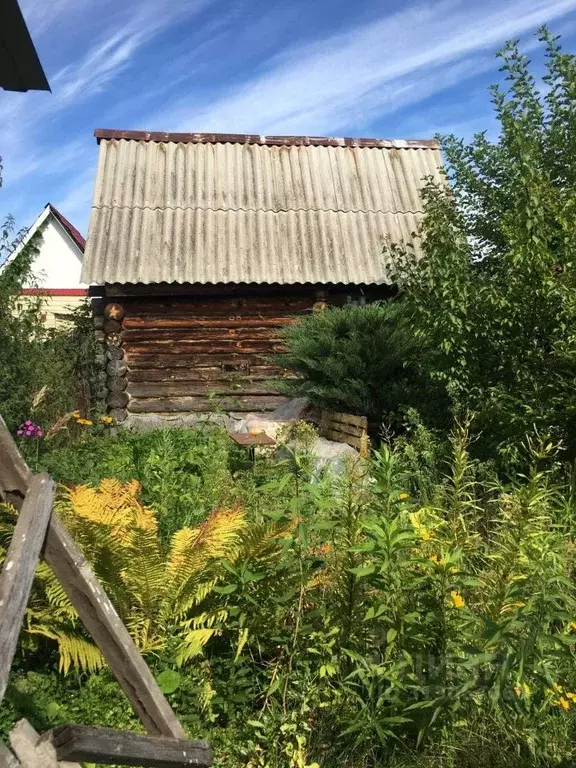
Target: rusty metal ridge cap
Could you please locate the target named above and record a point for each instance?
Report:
(248, 138)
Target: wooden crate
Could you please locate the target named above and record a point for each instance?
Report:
(345, 428)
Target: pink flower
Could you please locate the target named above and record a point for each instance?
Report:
(20, 432)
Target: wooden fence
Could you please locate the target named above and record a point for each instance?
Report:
(40, 531)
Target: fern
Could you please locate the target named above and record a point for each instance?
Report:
(165, 600)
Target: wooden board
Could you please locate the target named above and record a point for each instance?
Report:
(192, 360)
(194, 321)
(344, 428)
(15, 475)
(7, 759)
(101, 620)
(214, 373)
(106, 746)
(202, 346)
(202, 404)
(187, 388)
(19, 568)
(191, 335)
(247, 438)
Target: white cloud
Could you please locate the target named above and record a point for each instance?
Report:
(399, 59)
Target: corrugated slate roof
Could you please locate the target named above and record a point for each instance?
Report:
(221, 208)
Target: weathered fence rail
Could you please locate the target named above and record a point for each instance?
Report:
(39, 530)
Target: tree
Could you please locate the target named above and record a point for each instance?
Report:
(356, 359)
(493, 298)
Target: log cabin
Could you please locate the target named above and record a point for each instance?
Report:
(202, 246)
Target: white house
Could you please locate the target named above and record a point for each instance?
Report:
(56, 269)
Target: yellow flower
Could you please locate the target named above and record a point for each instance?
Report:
(454, 570)
(106, 419)
(457, 599)
(424, 534)
(564, 703)
(403, 496)
(435, 559)
(573, 625)
(84, 422)
(558, 687)
(571, 696)
(75, 414)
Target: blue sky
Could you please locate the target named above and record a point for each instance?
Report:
(316, 67)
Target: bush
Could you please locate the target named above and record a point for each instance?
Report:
(357, 359)
(493, 298)
(43, 372)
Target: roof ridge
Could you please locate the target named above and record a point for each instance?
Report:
(250, 138)
(69, 227)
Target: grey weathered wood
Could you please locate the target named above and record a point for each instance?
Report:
(98, 321)
(114, 353)
(112, 326)
(101, 620)
(7, 759)
(32, 750)
(116, 368)
(99, 335)
(107, 746)
(117, 383)
(20, 566)
(15, 476)
(119, 414)
(117, 399)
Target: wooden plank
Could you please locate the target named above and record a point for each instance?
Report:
(349, 418)
(346, 429)
(19, 568)
(192, 360)
(32, 750)
(193, 321)
(7, 759)
(187, 388)
(101, 620)
(247, 438)
(338, 437)
(255, 373)
(202, 335)
(106, 746)
(15, 476)
(192, 404)
(201, 346)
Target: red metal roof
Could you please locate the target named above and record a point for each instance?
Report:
(72, 231)
(250, 138)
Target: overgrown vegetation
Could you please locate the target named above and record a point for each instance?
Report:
(326, 622)
(59, 363)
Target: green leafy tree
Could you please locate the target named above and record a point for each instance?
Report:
(493, 298)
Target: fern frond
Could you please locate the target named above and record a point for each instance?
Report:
(217, 537)
(193, 644)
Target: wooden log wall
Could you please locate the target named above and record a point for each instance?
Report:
(193, 354)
